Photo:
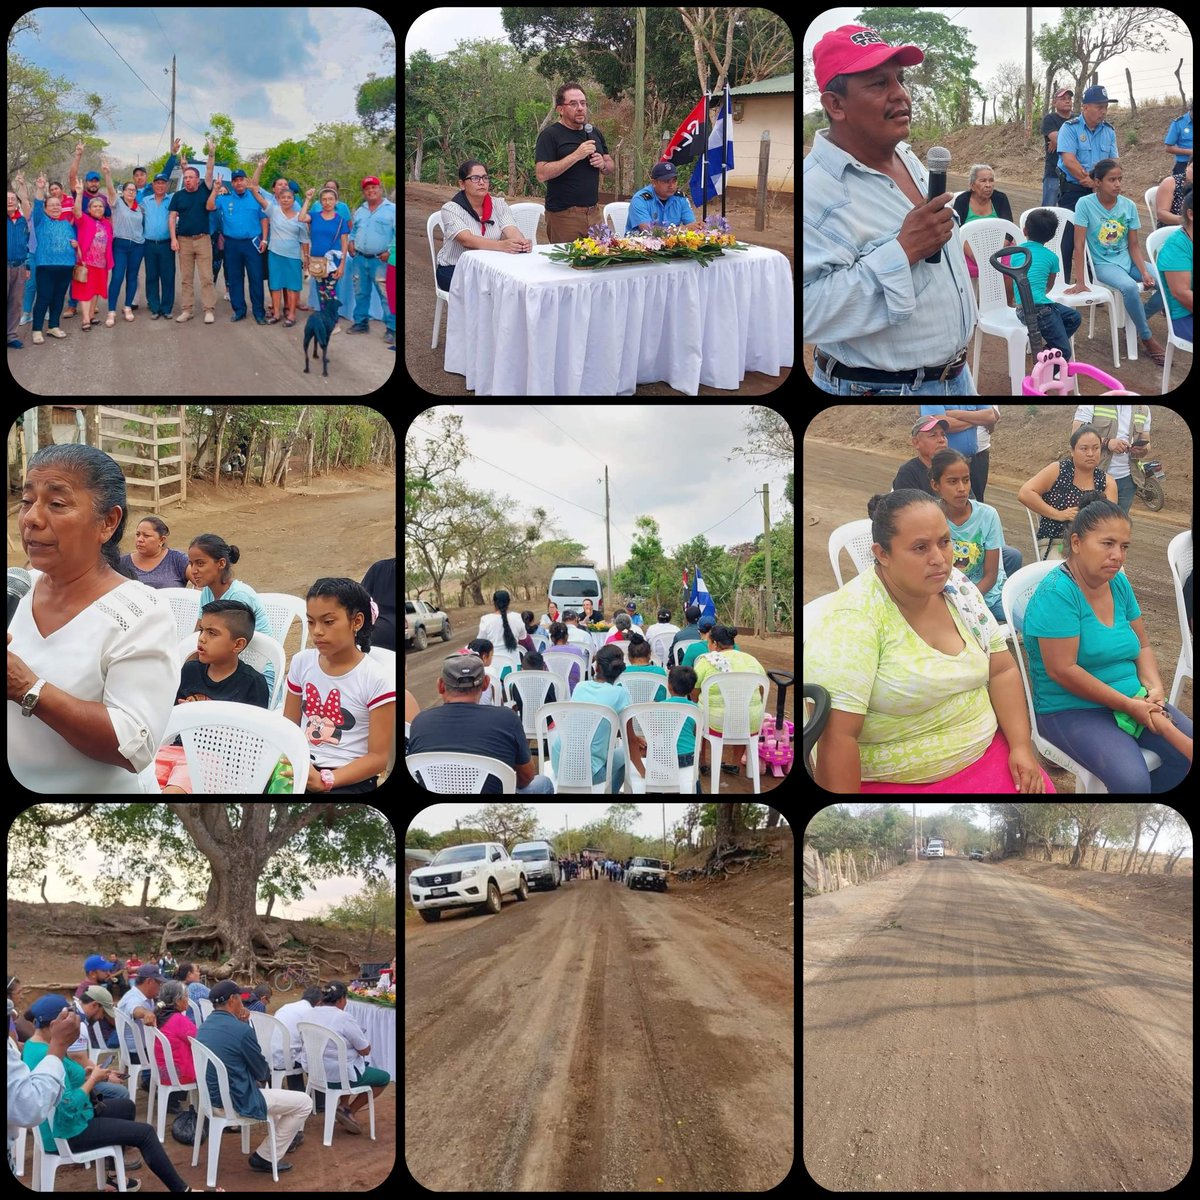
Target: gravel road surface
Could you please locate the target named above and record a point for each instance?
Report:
(596, 1038)
(971, 1031)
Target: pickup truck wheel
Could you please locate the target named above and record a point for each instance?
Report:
(430, 914)
(522, 889)
(446, 631)
(492, 904)
(420, 638)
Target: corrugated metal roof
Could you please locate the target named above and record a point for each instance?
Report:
(779, 84)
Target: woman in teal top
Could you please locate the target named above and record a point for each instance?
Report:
(1090, 660)
(85, 1126)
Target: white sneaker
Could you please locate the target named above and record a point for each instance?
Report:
(184, 316)
(209, 318)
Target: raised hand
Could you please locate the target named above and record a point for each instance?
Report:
(104, 164)
(310, 193)
(175, 145)
(40, 181)
(78, 149)
(262, 162)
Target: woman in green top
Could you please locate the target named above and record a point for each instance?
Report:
(85, 1127)
(1090, 659)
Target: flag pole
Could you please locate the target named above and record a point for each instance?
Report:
(724, 145)
(704, 156)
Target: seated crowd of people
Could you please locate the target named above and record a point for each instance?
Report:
(478, 717)
(95, 1108)
(925, 694)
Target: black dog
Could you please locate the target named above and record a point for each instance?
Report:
(317, 329)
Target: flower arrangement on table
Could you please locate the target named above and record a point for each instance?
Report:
(603, 248)
(369, 995)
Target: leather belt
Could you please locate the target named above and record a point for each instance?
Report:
(839, 370)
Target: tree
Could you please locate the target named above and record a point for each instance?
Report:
(726, 824)
(418, 839)
(223, 852)
(507, 823)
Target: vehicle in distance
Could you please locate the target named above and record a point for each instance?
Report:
(422, 620)
(976, 854)
(477, 875)
(935, 848)
(647, 873)
(573, 583)
(540, 863)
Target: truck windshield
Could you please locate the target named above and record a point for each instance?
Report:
(454, 854)
(530, 855)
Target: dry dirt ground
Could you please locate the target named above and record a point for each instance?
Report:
(425, 366)
(960, 1023)
(1142, 375)
(777, 653)
(852, 452)
(46, 954)
(642, 1044)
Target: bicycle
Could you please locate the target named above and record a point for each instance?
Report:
(286, 978)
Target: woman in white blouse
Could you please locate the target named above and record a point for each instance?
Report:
(92, 673)
(474, 219)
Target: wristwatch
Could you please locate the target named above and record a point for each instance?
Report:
(31, 697)
(327, 777)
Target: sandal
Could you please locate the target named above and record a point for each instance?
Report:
(272, 320)
(128, 313)
(85, 326)
(288, 323)
(111, 320)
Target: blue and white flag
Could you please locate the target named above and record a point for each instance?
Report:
(720, 145)
(701, 597)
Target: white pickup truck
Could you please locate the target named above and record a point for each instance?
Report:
(935, 849)
(476, 875)
(647, 873)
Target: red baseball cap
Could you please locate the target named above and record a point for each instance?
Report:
(369, 180)
(850, 49)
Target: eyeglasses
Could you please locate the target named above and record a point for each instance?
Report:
(478, 178)
(574, 104)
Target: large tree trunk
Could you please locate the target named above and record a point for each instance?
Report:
(773, 815)
(726, 831)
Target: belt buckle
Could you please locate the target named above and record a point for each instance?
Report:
(959, 359)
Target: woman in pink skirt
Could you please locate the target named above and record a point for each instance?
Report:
(94, 233)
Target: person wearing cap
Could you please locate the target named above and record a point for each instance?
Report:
(634, 615)
(462, 724)
(1052, 122)
(659, 204)
(95, 1008)
(1178, 141)
(928, 437)
(229, 1036)
(97, 970)
(85, 1127)
(245, 226)
(371, 234)
(32, 1094)
(1083, 141)
(138, 1002)
(881, 318)
(159, 259)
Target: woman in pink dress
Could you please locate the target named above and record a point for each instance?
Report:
(94, 232)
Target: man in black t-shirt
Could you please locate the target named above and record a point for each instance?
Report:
(188, 219)
(570, 158)
(928, 437)
(1052, 122)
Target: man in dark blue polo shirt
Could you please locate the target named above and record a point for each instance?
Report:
(229, 1036)
(244, 225)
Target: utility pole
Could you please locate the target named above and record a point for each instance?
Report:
(172, 99)
(664, 829)
(608, 532)
(914, 831)
(568, 816)
(766, 495)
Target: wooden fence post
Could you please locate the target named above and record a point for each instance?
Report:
(760, 199)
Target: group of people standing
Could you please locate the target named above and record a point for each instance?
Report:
(80, 251)
(574, 866)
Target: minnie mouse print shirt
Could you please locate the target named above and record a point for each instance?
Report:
(335, 710)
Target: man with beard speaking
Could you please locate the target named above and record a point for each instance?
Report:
(883, 320)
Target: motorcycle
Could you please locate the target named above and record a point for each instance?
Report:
(1147, 475)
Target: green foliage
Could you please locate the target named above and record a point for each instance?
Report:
(878, 827)
(417, 839)
(374, 905)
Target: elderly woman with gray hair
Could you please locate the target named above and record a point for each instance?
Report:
(980, 200)
(172, 1020)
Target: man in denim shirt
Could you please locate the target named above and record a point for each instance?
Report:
(884, 321)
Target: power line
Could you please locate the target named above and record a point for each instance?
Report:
(753, 496)
(118, 54)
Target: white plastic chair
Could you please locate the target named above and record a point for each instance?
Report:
(204, 1059)
(1014, 599)
(185, 607)
(19, 1150)
(532, 687)
(282, 608)
(449, 772)
(160, 1092)
(233, 748)
(660, 648)
(618, 210)
(435, 222)
(814, 610)
(100, 1052)
(205, 1007)
(1153, 245)
(271, 1033)
(661, 725)
(46, 1164)
(315, 1039)
(643, 686)
(576, 724)
(258, 651)
(527, 217)
(855, 538)
(1179, 558)
(126, 1024)
(1151, 205)
(736, 688)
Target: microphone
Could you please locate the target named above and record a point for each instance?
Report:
(587, 130)
(19, 583)
(936, 163)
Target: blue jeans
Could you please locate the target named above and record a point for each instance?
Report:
(542, 785)
(110, 1091)
(127, 261)
(1049, 191)
(960, 385)
(368, 273)
(1092, 737)
(1125, 494)
(1125, 281)
(1057, 324)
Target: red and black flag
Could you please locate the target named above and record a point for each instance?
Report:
(687, 142)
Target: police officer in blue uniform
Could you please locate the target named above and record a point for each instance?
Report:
(660, 203)
(1082, 142)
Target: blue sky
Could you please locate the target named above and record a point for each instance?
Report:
(278, 72)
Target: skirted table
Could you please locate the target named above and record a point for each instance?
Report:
(522, 325)
(379, 1024)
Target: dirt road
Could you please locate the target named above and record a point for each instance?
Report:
(977, 1032)
(190, 359)
(595, 1038)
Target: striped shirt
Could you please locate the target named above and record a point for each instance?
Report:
(456, 220)
(127, 223)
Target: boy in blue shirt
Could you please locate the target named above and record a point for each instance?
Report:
(1056, 322)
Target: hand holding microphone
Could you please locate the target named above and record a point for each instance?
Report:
(936, 163)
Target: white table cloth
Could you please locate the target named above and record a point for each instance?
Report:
(379, 1024)
(522, 325)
